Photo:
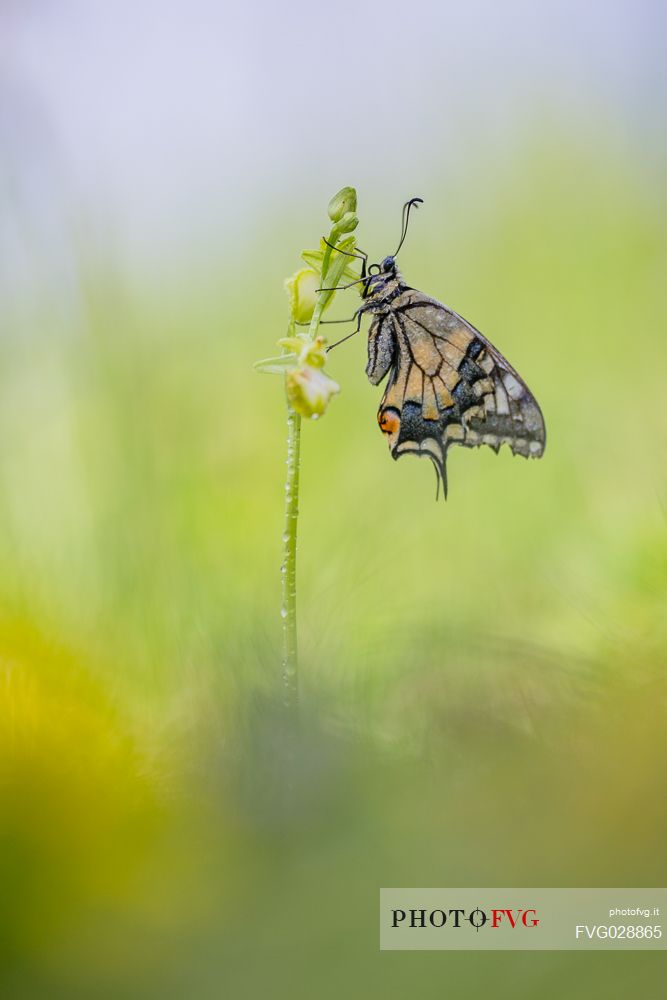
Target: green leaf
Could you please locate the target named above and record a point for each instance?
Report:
(338, 265)
(275, 366)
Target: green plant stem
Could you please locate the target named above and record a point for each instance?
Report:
(321, 298)
(288, 569)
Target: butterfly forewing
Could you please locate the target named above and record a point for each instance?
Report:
(447, 384)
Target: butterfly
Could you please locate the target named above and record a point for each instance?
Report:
(447, 384)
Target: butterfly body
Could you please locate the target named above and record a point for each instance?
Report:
(447, 383)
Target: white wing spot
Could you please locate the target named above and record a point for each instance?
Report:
(514, 388)
(502, 406)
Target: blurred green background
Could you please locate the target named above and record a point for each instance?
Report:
(483, 682)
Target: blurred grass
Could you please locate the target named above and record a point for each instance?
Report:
(484, 682)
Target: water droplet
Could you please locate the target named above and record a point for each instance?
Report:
(283, 612)
(286, 536)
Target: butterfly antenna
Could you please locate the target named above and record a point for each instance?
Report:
(360, 256)
(407, 208)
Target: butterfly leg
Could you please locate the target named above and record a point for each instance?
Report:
(356, 316)
(362, 255)
(329, 322)
(341, 288)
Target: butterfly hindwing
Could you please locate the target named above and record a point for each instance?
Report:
(447, 385)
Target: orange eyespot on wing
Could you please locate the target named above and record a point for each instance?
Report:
(389, 421)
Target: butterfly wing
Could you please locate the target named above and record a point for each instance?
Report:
(447, 385)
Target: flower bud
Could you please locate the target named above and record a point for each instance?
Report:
(342, 203)
(309, 390)
(314, 353)
(293, 344)
(346, 225)
(302, 290)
